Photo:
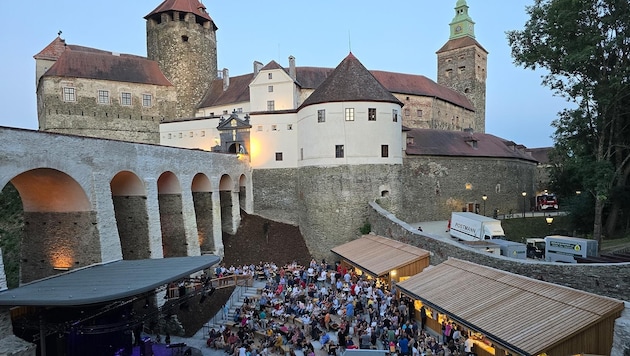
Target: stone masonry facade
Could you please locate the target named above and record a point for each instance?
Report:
(187, 54)
(86, 116)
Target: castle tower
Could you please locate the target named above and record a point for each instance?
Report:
(181, 37)
(462, 63)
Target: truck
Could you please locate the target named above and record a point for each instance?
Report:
(469, 226)
(535, 247)
(566, 248)
(546, 201)
(511, 249)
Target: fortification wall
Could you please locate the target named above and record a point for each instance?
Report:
(436, 186)
(612, 280)
(332, 201)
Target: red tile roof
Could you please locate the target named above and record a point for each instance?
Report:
(53, 50)
(188, 6)
(350, 81)
(238, 91)
(460, 43)
(313, 77)
(103, 65)
(460, 143)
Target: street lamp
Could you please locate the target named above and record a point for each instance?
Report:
(484, 198)
(549, 220)
(524, 194)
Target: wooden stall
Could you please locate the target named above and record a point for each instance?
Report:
(383, 258)
(509, 314)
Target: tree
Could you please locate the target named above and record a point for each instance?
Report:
(583, 45)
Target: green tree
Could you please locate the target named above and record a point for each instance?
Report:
(584, 46)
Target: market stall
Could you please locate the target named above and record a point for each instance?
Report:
(509, 314)
(382, 258)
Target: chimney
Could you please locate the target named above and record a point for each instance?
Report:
(226, 79)
(257, 67)
(292, 67)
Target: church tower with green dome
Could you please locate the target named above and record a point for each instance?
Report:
(462, 64)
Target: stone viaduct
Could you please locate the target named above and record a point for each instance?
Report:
(88, 200)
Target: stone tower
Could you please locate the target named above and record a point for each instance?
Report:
(181, 37)
(462, 63)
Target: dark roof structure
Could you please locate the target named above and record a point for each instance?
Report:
(236, 92)
(313, 77)
(53, 51)
(541, 154)
(461, 42)
(188, 6)
(427, 142)
(350, 81)
(106, 282)
(84, 62)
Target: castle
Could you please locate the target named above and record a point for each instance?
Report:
(322, 142)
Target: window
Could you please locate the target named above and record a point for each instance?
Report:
(461, 69)
(349, 114)
(407, 112)
(271, 105)
(372, 114)
(68, 94)
(269, 75)
(419, 113)
(103, 97)
(395, 115)
(270, 88)
(339, 151)
(225, 112)
(301, 153)
(289, 127)
(259, 128)
(321, 115)
(449, 73)
(239, 110)
(278, 156)
(146, 100)
(203, 133)
(191, 134)
(274, 127)
(180, 135)
(125, 98)
(384, 151)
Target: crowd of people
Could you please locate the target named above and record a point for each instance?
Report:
(330, 304)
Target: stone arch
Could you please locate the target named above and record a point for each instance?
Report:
(171, 215)
(59, 222)
(202, 201)
(129, 198)
(230, 214)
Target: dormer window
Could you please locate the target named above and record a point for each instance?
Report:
(269, 75)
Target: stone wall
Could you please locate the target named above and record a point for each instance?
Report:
(187, 54)
(621, 337)
(464, 70)
(63, 240)
(203, 216)
(332, 201)
(87, 117)
(434, 113)
(172, 224)
(133, 226)
(276, 195)
(437, 186)
(612, 280)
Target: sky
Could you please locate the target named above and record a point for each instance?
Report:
(395, 35)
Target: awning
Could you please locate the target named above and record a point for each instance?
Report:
(106, 282)
(378, 255)
(520, 313)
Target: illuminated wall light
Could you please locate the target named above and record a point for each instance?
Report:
(468, 186)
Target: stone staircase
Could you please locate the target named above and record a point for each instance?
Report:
(236, 301)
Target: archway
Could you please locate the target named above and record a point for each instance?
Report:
(171, 216)
(202, 200)
(242, 191)
(229, 218)
(130, 207)
(60, 231)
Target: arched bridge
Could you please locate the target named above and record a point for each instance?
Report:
(90, 200)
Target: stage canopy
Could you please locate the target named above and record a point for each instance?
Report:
(106, 282)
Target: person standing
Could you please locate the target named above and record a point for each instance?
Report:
(468, 345)
(403, 346)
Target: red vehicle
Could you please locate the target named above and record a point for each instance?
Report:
(546, 201)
